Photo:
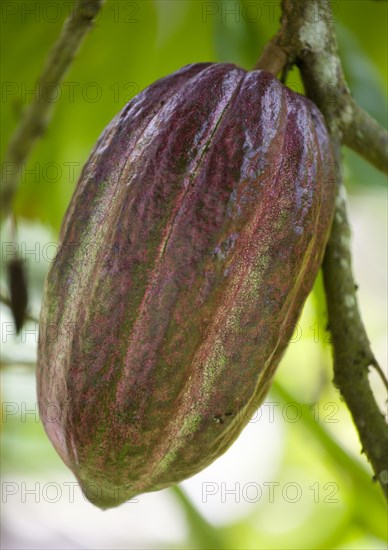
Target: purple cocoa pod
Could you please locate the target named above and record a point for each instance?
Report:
(191, 243)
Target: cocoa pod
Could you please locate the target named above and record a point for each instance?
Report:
(196, 231)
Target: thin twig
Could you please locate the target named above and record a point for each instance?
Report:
(37, 115)
(380, 372)
(7, 302)
(10, 363)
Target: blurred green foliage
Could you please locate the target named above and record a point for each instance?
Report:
(131, 45)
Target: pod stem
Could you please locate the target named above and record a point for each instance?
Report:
(273, 59)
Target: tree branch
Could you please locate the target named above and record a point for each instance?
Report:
(365, 136)
(37, 115)
(307, 38)
(352, 351)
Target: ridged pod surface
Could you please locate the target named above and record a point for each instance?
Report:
(191, 243)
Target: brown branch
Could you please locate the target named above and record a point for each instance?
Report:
(307, 38)
(37, 115)
(352, 351)
(365, 136)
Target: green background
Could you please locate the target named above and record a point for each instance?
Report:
(131, 45)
